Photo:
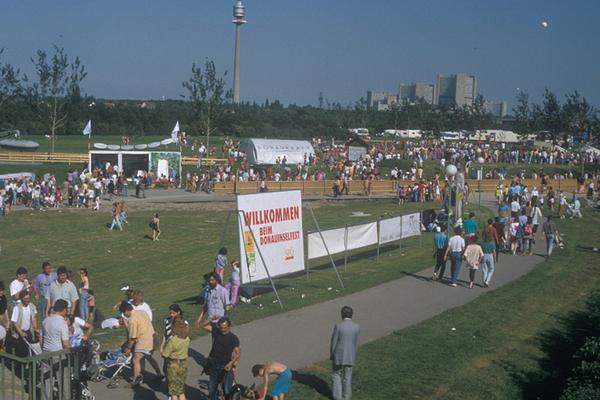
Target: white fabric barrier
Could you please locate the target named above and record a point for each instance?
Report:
(334, 238)
(411, 225)
(389, 230)
(362, 235)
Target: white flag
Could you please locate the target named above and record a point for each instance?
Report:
(175, 133)
(88, 128)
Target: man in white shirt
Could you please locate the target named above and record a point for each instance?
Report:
(19, 285)
(515, 207)
(24, 321)
(456, 247)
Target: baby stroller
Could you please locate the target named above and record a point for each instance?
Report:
(110, 366)
(47, 368)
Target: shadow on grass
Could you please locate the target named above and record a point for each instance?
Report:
(314, 382)
(559, 346)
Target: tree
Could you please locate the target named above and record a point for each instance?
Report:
(577, 113)
(551, 113)
(206, 91)
(10, 81)
(56, 89)
(523, 114)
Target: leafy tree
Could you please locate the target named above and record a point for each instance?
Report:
(206, 91)
(10, 81)
(577, 113)
(523, 114)
(56, 89)
(551, 114)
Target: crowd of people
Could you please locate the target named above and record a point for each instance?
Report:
(332, 160)
(57, 310)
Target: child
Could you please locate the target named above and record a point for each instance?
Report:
(233, 286)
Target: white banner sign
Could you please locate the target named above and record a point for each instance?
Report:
(389, 230)
(356, 152)
(411, 225)
(362, 235)
(334, 238)
(276, 221)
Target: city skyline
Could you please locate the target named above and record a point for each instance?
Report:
(292, 51)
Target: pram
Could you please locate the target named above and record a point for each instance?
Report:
(111, 367)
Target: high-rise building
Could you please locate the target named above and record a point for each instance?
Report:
(498, 109)
(458, 89)
(416, 91)
(380, 101)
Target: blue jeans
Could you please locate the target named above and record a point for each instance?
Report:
(117, 223)
(217, 376)
(84, 311)
(549, 244)
(455, 263)
(125, 191)
(487, 267)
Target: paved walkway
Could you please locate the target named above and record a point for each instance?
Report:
(300, 338)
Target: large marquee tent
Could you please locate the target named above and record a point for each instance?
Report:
(269, 151)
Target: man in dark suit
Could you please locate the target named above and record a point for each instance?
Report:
(344, 342)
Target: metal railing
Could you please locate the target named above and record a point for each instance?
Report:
(48, 376)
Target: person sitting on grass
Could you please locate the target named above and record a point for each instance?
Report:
(282, 384)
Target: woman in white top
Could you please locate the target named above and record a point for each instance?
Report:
(473, 255)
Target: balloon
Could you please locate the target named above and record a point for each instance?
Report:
(544, 24)
(451, 170)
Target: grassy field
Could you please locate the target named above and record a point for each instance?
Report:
(497, 350)
(171, 270)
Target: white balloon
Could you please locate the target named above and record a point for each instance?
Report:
(451, 170)
(544, 24)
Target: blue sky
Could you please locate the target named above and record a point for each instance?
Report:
(292, 50)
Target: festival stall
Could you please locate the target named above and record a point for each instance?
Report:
(163, 164)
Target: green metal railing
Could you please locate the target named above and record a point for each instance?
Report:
(48, 376)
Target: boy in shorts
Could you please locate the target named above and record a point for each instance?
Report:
(281, 386)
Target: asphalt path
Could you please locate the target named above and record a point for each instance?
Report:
(300, 338)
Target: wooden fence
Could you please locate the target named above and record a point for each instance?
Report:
(79, 158)
(377, 187)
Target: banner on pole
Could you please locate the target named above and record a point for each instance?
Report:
(389, 230)
(334, 238)
(411, 225)
(275, 219)
(362, 235)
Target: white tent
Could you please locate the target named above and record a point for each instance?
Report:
(268, 151)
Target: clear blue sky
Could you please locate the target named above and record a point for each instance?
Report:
(292, 50)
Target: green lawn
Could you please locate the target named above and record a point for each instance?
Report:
(171, 270)
(496, 351)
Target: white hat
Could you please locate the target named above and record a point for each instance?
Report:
(438, 229)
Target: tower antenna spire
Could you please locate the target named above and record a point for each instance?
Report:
(239, 13)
